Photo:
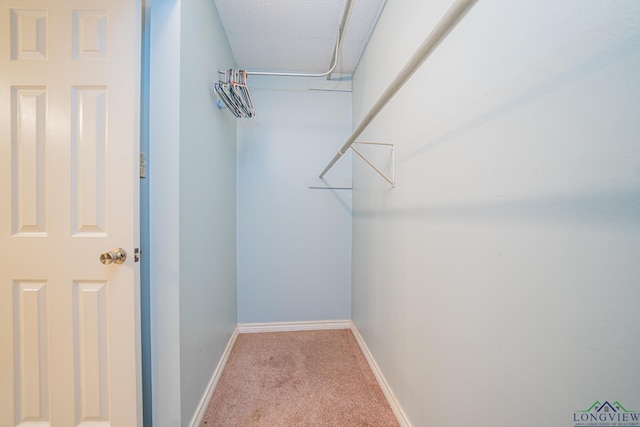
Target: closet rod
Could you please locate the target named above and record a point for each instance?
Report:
(442, 29)
(345, 14)
(269, 73)
(343, 22)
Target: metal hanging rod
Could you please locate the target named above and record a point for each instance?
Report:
(442, 29)
(343, 23)
(334, 62)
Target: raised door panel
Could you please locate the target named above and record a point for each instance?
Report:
(31, 353)
(28, 147)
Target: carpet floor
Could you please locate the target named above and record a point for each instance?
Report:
(311, 378)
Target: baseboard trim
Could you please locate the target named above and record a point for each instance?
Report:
(252, 328)
(386, 389)
(206, 398)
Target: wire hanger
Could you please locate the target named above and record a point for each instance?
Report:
(234, 93)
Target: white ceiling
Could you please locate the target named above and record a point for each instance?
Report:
(296, 35)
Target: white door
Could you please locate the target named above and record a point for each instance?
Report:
(69, 143)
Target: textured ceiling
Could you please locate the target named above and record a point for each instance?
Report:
(296, 35)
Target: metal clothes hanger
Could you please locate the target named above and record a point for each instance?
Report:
(234, 93)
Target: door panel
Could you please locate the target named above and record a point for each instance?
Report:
(88, 145)
(28, 160)
(69, 144)
(31, 350)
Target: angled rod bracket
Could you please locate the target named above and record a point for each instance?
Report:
(392, 179)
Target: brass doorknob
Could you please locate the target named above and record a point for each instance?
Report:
(117, 255)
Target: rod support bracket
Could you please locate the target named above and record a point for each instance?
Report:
(390, 179)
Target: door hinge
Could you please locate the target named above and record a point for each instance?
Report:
(143, 165)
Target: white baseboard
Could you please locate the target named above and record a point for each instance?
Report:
(251, 328)
(388, 393)
(206, 398)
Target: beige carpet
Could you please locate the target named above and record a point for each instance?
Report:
(312, 378)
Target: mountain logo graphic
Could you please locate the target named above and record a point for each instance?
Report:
(606, 414)
(607, 407)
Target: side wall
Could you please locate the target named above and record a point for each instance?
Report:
(164, 230)
(192, 175)
(208, 303)
(497, 284)
(294, 260)
(145, 279)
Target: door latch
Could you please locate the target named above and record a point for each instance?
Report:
(143, 165)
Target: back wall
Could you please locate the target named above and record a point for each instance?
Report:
(294, 243)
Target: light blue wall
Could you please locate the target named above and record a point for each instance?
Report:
(192, 175)
(145, 278)
(294, 259)
(498, 283)
(164, 229)
(208, 303)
